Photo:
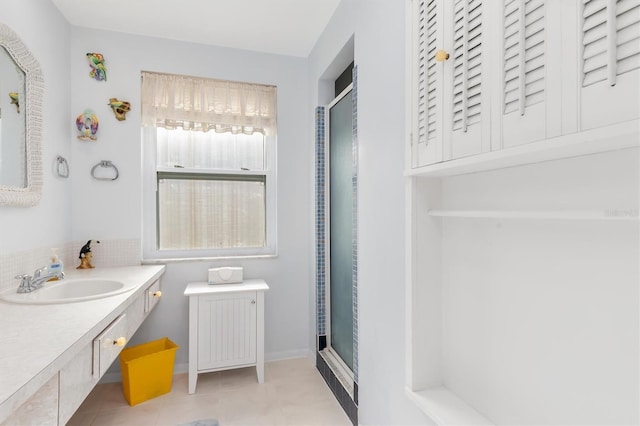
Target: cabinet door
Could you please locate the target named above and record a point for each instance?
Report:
(610, 62)
(467, 103)
(76, 382)
(427, 37)
(226, 330)
(531, 48)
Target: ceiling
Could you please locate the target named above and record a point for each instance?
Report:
(284, 27)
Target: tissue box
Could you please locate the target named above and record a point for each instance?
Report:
(225, 275)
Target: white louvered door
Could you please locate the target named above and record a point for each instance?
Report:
(427, 130)
(226, 330)
(530, 100)
(467, 106)
(610, 62)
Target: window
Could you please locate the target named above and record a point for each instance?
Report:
(209, 149)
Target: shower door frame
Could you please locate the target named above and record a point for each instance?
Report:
(331, 353)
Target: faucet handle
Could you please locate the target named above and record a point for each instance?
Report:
(38, 272)
(25, 283)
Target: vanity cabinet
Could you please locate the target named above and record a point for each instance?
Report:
(57, 400)
(226, 327)
(489, 76)
(79, 376)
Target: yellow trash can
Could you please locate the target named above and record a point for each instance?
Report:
(147, 370)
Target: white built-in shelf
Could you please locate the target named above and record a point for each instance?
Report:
(446, 408)
(630, 215)
(603, 139)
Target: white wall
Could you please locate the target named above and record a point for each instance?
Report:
(46, 34)
(113, 209)
(379, 28)
(540, 321)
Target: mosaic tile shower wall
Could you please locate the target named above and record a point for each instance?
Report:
(320, 224)
(354, 242)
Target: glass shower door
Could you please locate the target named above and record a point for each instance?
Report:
(341, 227)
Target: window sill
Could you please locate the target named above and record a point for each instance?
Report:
(207, 259)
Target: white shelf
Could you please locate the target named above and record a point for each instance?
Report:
(609, 138)
(446, 408)
(606, 215)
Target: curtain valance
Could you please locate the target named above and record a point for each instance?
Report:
(205, 104)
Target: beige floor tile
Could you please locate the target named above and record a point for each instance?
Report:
(127, 416)
(327, 413)
(82, 418)
(293, 393)
(196, 407)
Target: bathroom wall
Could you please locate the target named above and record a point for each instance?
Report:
(46, 34)
(112, 210)
(27, 233)
(378, 27)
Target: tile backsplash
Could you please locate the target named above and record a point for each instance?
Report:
(109, 253)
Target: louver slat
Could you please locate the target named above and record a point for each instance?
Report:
(524, 54)
(628, 36)
(426, 130)
(594, 39)
(467, 61)
(600, 37)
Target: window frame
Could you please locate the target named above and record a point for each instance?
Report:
(150, 221)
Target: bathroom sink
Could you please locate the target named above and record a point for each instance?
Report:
(68, 291)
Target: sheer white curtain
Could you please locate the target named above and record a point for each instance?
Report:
(205, 104)
(210, 144)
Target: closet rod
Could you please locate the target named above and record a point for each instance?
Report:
(606, 214)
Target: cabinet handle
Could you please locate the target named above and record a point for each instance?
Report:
(157, 293)
(253, 302)
(120, 341)
(441, 56)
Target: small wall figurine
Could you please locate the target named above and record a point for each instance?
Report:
(120, 108)
(86, 255)
(15, 100)
(87, 124)
(98, 70)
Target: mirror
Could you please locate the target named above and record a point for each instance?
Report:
(21, 91)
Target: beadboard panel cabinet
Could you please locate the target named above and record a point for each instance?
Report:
(226, 327)
(226, 330)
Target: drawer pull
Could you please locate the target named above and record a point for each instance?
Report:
(157, 293)
(120, 341)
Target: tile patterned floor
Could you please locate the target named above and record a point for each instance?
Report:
(293, 393)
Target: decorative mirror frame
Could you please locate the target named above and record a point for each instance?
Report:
(34, 89)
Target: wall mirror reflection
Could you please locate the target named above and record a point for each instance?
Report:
(13, 146)
(21, 90)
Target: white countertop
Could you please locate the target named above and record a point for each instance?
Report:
(38, 340)
(197, 288)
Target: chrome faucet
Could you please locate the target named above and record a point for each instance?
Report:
(30, 283)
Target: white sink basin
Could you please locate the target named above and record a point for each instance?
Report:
(67, 291)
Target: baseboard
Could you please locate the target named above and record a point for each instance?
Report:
(281, 356)
(183, 368)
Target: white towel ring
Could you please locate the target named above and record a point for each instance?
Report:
(106, 164)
